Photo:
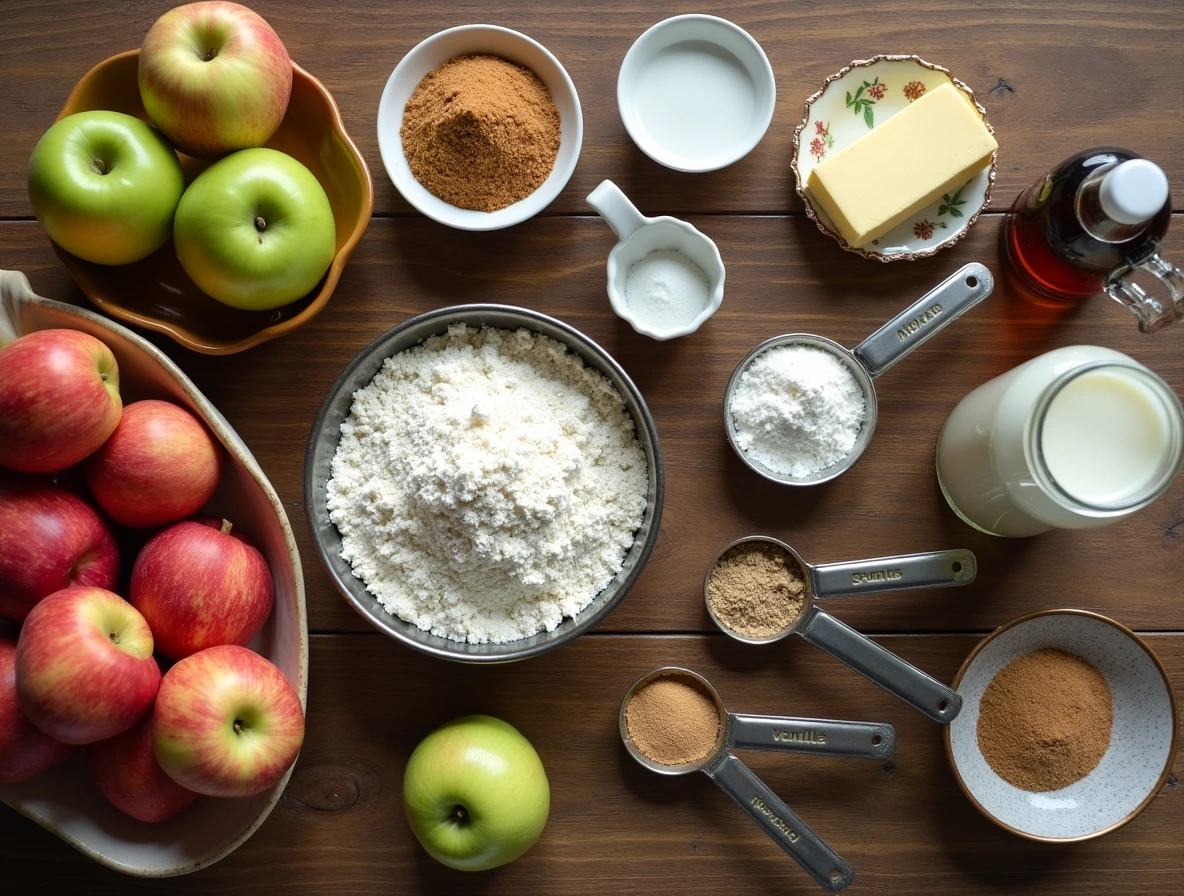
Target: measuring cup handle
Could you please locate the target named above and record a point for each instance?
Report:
(781, 824)
(830, 737)
(614, 206)
(1153, 312)
(923, 319)
(932, 569)
(884, 667)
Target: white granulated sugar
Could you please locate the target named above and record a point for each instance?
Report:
(797, 409)
(487, 484)
(665, 289)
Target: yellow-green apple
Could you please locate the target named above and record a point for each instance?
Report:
(214, 77)
(201, 584)
(159, 466)
(84, 665)
(228, 722)
(255, 230)
(25, 750)
(59, 399)
(104, 185)
(50, 539)
(475, 793)
(126, 771)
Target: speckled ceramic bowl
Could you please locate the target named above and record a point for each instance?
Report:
(852, 102)
(1142, 743)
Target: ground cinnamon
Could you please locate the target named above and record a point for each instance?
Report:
(480, 132)
(672, 720)
(756, 589)
(1044, 720)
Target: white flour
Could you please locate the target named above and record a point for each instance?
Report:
(487, 484)
(797, 409)
(665, 289)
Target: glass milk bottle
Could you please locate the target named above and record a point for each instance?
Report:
(1075, 438)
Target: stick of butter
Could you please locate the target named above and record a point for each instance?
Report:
(893, 171)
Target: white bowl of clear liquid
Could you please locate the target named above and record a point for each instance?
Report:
(696, 93)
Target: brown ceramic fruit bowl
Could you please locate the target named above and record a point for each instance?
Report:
(156, 293)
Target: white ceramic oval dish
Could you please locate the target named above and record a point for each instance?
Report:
(461, 41)
(679, 67)
(64, 800)
(637, 237)
(860, 97)
(1142, 742)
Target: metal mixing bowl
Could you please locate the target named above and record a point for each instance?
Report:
(326, 432)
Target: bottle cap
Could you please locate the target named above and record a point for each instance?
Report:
(1133, 191)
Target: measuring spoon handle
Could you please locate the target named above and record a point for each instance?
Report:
(781, 824)
(885, 668)
(830, 737)
(941, 306)
(614, 206)
(933, 569)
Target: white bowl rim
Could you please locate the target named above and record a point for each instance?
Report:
(655, 152)
(390, 148)
(621, 307)
(1168, 761)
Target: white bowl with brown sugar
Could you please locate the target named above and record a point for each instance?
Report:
(497, 155)
(1068, 726)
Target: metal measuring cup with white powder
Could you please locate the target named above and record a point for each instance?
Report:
(800, 409)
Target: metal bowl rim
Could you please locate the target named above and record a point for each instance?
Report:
(578, 625)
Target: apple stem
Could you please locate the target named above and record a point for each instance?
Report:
(459, 813)
(226, 527)
(210, 54)
(260, 223)
(238, 726)
(99, 166)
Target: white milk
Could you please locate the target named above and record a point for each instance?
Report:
(695, 100)
(1075, 438)
(1104, 437)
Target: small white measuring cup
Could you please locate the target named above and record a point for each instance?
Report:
(637, 237)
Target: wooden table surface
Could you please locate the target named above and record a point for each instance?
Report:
(1054, 78)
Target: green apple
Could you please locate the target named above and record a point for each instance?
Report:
(475, 793)
(104, 185)
(255, 230)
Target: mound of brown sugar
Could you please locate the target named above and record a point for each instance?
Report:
(480, 133)
(1044, 720)
(756, 589)
(672, 720)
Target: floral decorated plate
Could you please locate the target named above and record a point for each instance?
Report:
(857, 99)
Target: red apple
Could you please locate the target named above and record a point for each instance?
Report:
(49, 539)
(159, 466)
(59, 399)
(25, 750)
(200, 585)
(214, 78)
(228, 723)
(84, 666)
(126, 771)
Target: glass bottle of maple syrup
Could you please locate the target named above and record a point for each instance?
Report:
(1089, 225)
